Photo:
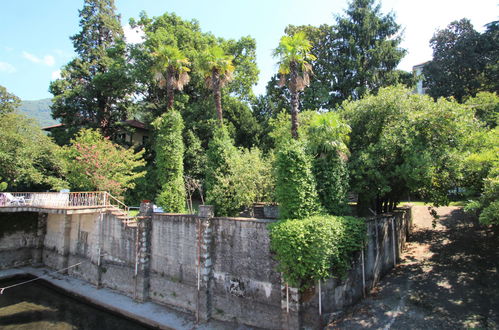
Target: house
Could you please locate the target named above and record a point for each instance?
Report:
(418, 72)
(133, 133)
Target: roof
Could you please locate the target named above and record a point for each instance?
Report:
(131, 122)
(49, 128)
(135, 123)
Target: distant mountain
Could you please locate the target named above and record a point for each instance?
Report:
(39, 110)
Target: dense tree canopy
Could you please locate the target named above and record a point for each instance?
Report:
(29, 160)
(8, 102)
(94, 88)
(464, 61)
(405, 143)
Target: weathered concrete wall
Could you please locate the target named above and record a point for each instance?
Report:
(218, 268)
(246, 287)
(18, 239)
(175, 244)
(386, 236)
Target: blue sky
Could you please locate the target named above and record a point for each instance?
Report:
(34, 38)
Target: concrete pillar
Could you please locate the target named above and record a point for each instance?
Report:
(142, 279)
(66, 239)
(40, 238)
(144, 231)
(205, 258)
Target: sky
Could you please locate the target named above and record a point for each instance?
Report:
(35, 44)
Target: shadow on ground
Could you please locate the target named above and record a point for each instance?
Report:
(448, 278)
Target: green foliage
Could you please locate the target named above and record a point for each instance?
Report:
(482, 174)
(486, 107)
(94, 163)
(481, 156)
(316, 248)
(463, 61)
(325, 136)
(368, 51)
(8, 102)
(402, 142)
(196, 100)
(294, 70)
(194, 156)
(169, 148)
(295, 185)
(95, 87)
(29, 160)
(235, 178)
(3, 185)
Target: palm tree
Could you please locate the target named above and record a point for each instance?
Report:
(294, 70)
(171, 70)
(218, 70)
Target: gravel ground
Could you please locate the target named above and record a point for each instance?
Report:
(448, 279)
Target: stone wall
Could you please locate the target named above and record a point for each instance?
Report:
(219, 268)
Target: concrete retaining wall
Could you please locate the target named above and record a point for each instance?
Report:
(18, 239)
(217, 268)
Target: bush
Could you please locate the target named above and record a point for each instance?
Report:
(169, 162)
(235, 178)
(93, 162)
(295, 184)
(316, 248)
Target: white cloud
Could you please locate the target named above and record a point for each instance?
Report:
(133, 36)
(7, 67)
(47, 59)
(56, 74)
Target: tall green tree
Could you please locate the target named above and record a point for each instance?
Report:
(458, 62)
(95, 87)
(171, 70)
(294, 69)
(8, 102)
(218, 71)
(366, 46)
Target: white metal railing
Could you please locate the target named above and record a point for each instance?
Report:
(58, 199)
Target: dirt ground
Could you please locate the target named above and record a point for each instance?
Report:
(448, 279)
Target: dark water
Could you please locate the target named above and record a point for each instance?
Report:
(38, 306)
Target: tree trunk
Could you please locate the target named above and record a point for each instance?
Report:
(217, 95)
(169, 88)
(294, 100)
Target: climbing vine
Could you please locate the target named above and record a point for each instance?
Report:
(316, 247)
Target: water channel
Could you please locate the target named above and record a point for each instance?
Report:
(37, 305)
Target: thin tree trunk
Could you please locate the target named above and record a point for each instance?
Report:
(217, 95)
(169, 88)
(294, 101)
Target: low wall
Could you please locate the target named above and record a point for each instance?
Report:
(219, 268)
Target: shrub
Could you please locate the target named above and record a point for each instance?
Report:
(169, 162)
(295, 186)
(235, 178)
(95, 163)
(316, 248)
